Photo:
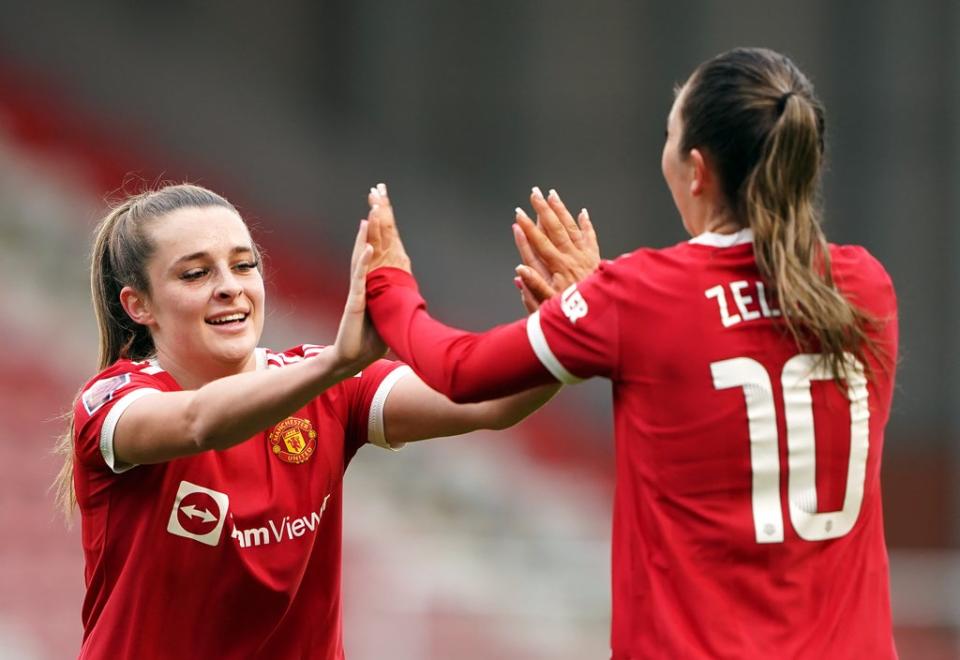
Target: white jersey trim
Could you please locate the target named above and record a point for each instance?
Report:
(538, 341)
(712, 239)
(110, 425)
(376, 434)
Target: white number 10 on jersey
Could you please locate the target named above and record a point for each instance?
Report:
(798, 373)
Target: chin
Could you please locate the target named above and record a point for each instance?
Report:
(236, 351)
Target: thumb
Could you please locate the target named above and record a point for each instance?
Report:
(535, 283)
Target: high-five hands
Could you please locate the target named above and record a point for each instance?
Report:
(358, 343)
(556, 251)
(382, 232)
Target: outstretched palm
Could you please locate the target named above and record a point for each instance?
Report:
(358, 343)
(383, 236)
(557, 251)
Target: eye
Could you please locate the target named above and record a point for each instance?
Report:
(193, 274)
(247, 266)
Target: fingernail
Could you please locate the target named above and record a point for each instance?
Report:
(517, 283)
(518, 211)
(536, 192)
(552, 193)
(584, 212)
(382, 187)
(374, 192)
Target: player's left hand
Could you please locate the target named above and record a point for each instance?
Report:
(557, 251)
(382, 232)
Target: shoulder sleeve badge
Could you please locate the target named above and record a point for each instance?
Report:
(102, 391)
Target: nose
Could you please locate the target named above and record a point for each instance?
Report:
(228, 287)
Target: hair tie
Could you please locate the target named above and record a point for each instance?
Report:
(782, 102)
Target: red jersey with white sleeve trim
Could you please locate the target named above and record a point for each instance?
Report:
(747, 516)
(224, 554)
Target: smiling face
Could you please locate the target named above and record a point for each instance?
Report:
(205, 304)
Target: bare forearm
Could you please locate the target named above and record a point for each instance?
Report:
(504, 413)
(223, 412)
(415, 412)
(230, 410)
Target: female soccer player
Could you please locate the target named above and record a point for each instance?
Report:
(208, 471)
(752, 370)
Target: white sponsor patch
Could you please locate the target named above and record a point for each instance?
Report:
(102, 391)
(198, 513)
(572, 304)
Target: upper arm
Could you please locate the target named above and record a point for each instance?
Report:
(413, 411)
(576, 335)
(128, 418)
(154, 427)
(391, 406)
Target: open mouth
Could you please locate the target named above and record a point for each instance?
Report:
(228, 319)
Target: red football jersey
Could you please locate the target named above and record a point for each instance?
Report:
(225, 554)
(747, 516)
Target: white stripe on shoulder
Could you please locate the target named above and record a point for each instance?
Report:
(712, 239)
(375, 430)
(110, 425)
(538, 341)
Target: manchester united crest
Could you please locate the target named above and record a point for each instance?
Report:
(293, 440)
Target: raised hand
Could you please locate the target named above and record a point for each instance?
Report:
(382, 232)
(358, 343)
(556, 251)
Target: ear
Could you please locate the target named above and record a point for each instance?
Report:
(135, 305)
(700, 172)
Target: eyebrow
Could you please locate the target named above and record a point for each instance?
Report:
(240, 249)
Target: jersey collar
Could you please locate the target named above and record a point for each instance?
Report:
(712, 239)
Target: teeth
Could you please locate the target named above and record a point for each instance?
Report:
(227, 319)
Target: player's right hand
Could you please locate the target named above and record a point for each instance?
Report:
(556, 252)
(358, 343)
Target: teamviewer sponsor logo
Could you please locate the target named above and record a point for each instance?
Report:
(198, 513)
(279, 530)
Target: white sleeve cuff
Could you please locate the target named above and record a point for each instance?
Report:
(538, 342)
(110, 425)
(376, 433)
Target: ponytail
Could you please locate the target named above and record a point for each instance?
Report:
(779, 203)
(759, 119)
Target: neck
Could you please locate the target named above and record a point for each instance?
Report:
(192, 375)
(719, 220)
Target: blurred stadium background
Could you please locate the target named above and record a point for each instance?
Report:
(491, 545)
